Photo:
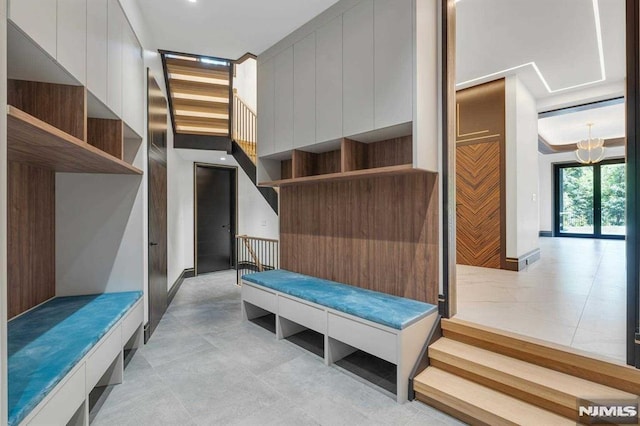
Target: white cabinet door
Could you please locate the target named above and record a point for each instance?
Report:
(72, 37)
(329, 81)
(116, 21)
(283, 113)
(304, 92)
(393, 68)
(266, 119)
(37, 18)
(132, 87)
(97, 48)
(358, 82)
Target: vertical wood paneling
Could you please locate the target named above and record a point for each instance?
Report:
(380, 233)
(285, 169)
(60, 105)
(106, 135)
(31, 237)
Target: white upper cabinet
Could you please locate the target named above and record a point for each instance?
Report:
(132, 81)
(329, 81)
(304, 91)
(266, 118)
(357, 74)
(283, 100)
(72, 37)
(116, 22)
(393, 62)
(97, 48)
(37, 18)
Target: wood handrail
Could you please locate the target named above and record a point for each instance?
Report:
(256, 238)
(235, 95)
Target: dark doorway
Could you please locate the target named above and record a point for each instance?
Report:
(590, 199)
(215, 217)
(157, 181)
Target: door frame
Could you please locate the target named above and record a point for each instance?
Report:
(597, 199)
(234, 212)
(448, 298)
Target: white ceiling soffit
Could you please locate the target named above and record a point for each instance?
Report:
(226, 28)
(555, 47)
(608, 123)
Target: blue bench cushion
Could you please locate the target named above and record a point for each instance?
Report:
(44, 344)
(392, 311)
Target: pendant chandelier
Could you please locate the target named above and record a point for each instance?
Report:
(591, 150)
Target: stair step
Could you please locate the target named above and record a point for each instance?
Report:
(197, 88)
(197, 69)
(200, 106)
(555, 357)
(478, 404)
(553, 390)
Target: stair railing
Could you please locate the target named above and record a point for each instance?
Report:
(245, 125)
(255, 254)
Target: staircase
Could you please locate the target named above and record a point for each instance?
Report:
(486, 376)
(207, 112)
(200, 91)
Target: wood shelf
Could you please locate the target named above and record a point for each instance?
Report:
(35, 142)
(402, 169)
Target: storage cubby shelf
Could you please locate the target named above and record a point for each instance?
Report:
(365, 173)
(38, 143)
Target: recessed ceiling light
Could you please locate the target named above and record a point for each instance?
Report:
(223, 158)
(192, 1)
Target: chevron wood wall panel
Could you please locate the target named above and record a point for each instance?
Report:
(480, 176)
(379, 233)
(478, 210)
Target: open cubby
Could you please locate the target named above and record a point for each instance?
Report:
(48, 127)
(106, 135)
(314, 164)
(353, 159)
(392, 152)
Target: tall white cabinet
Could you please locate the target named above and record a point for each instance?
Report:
(356, 71)
(97, 48)
(92, 42)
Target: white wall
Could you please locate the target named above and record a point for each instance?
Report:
(545, 166)
(255, 216)
(246, 81)
(521, 169)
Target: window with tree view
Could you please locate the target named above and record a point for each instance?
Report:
(591, 200)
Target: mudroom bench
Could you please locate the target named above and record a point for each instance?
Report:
(60, 350)
(350, 318)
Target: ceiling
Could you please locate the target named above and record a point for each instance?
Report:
(608, 123)
(225, 28)
(553, 46)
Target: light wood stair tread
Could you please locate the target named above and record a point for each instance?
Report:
(481, 403)
(556, 357)
(549, 384)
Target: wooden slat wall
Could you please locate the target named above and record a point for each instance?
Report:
(480, 176)
(379, 233)
(31, 237)
(61, 106)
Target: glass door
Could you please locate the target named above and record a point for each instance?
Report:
(590, 200)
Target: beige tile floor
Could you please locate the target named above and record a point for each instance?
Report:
(575, 295)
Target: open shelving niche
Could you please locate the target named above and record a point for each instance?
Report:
(341, 160)
(53, 129)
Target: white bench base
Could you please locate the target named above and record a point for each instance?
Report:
(68, 402)
(343, 333)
